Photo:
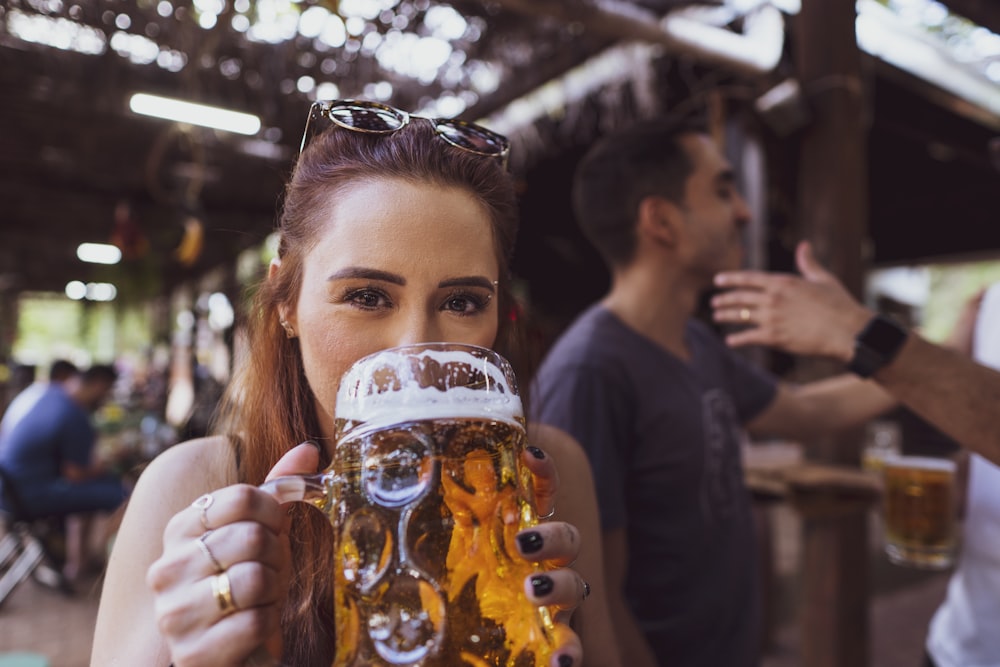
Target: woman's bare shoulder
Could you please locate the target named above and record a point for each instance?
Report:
(193, 467)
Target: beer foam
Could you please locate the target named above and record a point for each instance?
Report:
(921, 463)
(359, 397)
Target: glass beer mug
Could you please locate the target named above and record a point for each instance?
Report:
(426, 492)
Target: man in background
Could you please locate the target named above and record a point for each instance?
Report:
(660, 404)
(61, 374)
(48, 456)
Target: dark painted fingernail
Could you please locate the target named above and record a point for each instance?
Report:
(565, 661)
(542, 585)
(530, 542)
(536, 452)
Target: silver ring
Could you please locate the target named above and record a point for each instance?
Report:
(203, 545)
(586, 590)
(551, 513)
(203, 503)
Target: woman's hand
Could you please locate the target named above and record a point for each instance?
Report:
(221, 582)
(555, 543)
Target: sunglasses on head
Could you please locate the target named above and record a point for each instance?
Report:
(375, 118)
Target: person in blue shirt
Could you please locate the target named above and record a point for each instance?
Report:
(48, 456)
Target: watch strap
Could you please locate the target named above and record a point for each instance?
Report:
(876, 345)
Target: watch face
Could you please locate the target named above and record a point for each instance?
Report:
(876, 345)
(883, 335)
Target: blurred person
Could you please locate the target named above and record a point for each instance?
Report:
(386, 238)
(963, 629)
(61, 374)
(49, 456)
(660, 404)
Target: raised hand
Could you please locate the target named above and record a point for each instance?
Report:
(810, 314)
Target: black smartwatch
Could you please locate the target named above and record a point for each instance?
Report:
(877, 344)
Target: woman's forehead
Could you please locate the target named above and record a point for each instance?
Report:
(405, 220)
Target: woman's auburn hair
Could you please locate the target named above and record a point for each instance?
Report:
(268, 407)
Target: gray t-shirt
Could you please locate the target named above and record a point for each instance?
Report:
(663, 437)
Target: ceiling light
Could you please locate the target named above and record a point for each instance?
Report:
(194, 114)
(99, 253)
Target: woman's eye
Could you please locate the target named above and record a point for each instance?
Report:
(367, 298)
(466, 304)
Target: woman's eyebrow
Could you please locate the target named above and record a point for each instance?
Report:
(469, 281)
(368, 274)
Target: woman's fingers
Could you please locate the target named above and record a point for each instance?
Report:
(563, 589)
(241, 502)
(570, 651)
(545, 476)
(554, 542)
(228, 642)
(207, 600)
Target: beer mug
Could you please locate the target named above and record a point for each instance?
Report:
(426, 492)
(920, 511)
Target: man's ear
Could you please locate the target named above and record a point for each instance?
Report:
(659, 220)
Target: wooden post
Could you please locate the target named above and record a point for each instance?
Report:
(832, 208)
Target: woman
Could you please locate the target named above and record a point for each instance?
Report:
(393, 232)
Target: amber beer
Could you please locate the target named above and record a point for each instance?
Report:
(920, 511)
(426, 493)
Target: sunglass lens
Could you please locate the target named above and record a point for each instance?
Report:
(367, 118)
(471, 137)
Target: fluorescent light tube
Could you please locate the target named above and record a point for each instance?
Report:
(99, 253)
(194, 114)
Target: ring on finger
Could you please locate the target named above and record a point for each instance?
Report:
(203, 545)
(586, 590)
(203, 503)
(222, 589)
(551, 513)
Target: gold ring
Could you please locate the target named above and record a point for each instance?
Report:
(203, 504)
(223, 592)
(203, 545)
(744, 314)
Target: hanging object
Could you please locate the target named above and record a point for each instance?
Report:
(126, 233)
(192, 242)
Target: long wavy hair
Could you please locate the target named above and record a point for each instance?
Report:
(268, 407)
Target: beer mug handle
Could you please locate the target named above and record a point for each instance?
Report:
(299, 488)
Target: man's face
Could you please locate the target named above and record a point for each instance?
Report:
(715, 213)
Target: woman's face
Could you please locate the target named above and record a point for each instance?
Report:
(397, 262)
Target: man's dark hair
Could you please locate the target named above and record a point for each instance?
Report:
(100, 373)
(619, 171)
(62, 370)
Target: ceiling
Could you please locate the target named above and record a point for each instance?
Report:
(77, 166)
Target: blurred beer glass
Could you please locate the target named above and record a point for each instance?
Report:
(426, 492)
(883, 441)
(920, 511)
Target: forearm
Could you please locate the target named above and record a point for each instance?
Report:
(801, 412)
(949, 390)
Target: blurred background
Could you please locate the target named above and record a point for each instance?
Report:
(134, 223)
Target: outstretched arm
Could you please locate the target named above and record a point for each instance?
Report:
(813, 314)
